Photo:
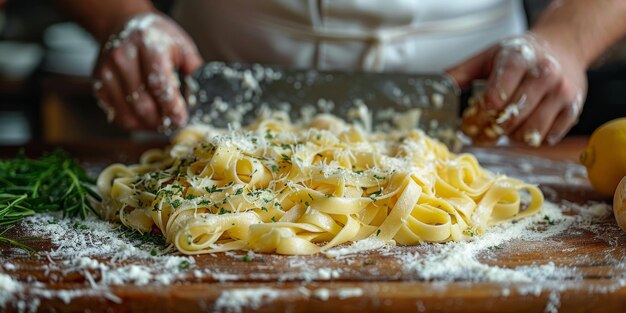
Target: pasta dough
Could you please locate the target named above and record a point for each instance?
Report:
(279, 187)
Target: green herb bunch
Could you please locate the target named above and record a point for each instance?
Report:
(54, 182)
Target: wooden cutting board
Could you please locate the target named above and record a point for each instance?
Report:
(375, 281)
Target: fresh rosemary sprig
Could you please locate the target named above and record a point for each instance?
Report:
(19, 243)
(54, 182)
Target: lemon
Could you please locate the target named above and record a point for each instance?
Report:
(605, 156)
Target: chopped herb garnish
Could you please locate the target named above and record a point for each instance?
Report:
(273, 219)
(328, 195)
(183, 265)
(377, 232)
(246, 258)
(176, 203)
(213, 189)
(274, 168)
(140, 239)
(80, 226)
(223, 211)
(548, 220)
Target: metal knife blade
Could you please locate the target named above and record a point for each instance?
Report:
(220, 93)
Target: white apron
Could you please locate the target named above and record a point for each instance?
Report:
(372, 35)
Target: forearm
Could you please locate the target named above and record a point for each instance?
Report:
(584, 27)
(101, 18)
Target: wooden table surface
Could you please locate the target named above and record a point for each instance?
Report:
(384, 284)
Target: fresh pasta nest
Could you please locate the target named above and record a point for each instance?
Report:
(279, 187)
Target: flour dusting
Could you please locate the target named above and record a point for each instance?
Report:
(96, 250)
(459, 261)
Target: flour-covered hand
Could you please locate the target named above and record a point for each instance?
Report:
(135, 78)
(534, 93)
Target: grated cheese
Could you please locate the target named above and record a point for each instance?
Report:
(444, 263)
(8, 286)
(236, 300)
(321, 294)
(99, 248)
(346, 293)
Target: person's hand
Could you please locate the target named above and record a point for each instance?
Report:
(535, 91)
(135, 77)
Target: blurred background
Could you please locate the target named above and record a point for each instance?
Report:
(46, 61)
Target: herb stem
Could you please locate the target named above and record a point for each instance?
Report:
(54, 182)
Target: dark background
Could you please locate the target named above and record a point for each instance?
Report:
(45, 90)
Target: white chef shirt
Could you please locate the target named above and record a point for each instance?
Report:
(372, 35)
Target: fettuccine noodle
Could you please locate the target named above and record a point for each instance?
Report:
(278, 187)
